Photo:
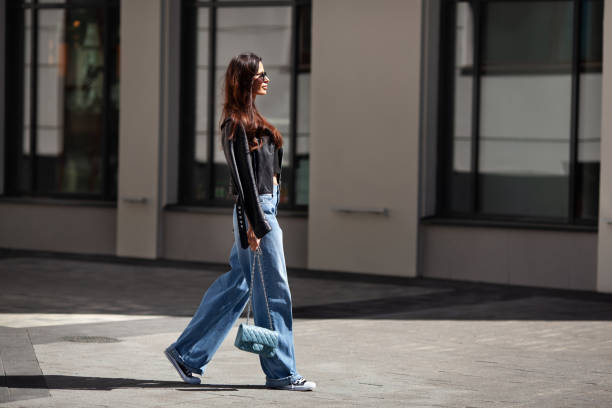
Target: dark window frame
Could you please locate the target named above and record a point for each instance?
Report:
(445, 126)
(14, 112)
(188, 96)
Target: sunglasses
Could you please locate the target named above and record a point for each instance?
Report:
(262, 75)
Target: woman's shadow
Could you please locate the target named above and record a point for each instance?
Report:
(68, 382)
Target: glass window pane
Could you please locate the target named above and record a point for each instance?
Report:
(70, 100)
(25, 160)
(525, 108)
(201, 169)
(591, 37)
(534, 35)
(460, 185)
(304, 22)
(589, 111)
(303, 116)
(302, 176)
(266, 31)
(303, 139)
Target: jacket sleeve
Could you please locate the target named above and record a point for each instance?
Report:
(250, 195)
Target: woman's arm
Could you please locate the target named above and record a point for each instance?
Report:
(250, 195)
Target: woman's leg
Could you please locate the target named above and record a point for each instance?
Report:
(219, 309)
(280, 369)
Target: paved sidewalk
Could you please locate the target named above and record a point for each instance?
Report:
(90, 333)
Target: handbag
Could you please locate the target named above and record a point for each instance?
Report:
(252, 338)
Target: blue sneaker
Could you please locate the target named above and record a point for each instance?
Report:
(184, 372)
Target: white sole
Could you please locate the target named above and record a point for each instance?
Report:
(294, 388)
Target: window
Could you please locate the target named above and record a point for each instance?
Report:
(521, 86)
(62, 80)
(213, 32)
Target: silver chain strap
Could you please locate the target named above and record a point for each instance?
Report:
(257, 255)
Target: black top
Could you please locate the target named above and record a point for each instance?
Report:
(277, 164)
(267, 135)
(247, 180)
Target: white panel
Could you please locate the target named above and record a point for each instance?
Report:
(364, 147)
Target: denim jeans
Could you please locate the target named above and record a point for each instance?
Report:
(227, 297)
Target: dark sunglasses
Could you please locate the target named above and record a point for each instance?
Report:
(262, 75)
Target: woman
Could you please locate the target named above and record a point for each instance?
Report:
(253, 150)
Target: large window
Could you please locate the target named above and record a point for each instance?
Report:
(213, 32)
(62, 98)
(521, 110)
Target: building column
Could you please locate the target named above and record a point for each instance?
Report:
(604, 242)
(2, 91)
(364, 145)
(140, 129)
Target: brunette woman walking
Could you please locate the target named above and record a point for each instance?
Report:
(253, 150)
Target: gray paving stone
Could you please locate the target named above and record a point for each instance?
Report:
(370, 341)
(22, 376)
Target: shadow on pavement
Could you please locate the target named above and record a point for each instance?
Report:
(60, 284)
(68, 382)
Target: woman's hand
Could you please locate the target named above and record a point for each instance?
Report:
(253, 240)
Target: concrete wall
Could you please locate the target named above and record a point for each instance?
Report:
(556, 259)
(365, 84)
(2, 89)
(57, 227)
(604, 253)
(199, 236)
(140, 129)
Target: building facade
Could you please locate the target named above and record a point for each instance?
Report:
(440, 138)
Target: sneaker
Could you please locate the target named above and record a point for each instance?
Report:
(183, 371)
(298, 385)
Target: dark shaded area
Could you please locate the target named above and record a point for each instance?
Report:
(38, 282)
(540, 305)
(69, 382)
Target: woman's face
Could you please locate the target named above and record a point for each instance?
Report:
(261, 83)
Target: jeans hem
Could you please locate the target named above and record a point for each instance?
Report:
(178, 357)
(279, 382)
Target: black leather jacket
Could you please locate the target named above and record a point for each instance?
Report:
(252, 173)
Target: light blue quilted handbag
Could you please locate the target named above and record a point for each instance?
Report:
(256, 339)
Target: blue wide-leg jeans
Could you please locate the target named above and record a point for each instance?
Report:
(226, 298)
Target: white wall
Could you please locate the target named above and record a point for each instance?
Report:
(57, 225)
(2, 91)
(513, 256)
(200, 234)
(140, 129)
(604, 252)
(365, 84)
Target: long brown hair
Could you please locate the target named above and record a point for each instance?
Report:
(239, 102)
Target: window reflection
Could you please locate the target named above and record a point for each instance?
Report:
(589, 111)
(266, 31)
(201, 168)
(64, 120)
(70, 100)
(525, 108)
(303, 140)
(25, 162)
(62, 126)
(461, 188)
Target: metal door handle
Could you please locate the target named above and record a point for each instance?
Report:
(134, 200)
(363, 210)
